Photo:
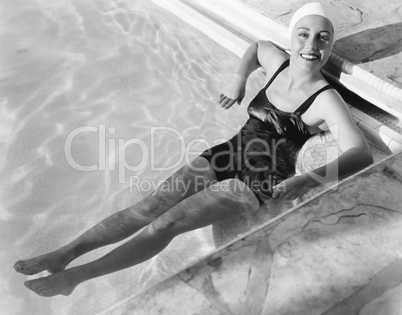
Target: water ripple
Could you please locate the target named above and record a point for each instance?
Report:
(122, 64)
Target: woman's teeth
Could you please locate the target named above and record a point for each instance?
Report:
(309, 57)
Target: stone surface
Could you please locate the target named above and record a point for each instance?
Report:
(337, 254)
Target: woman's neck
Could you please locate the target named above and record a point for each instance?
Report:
(296, 77)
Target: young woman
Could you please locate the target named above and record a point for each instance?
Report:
(237, 176)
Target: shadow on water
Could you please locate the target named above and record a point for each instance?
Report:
(371, 44)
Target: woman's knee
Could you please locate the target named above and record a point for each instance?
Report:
(164, 226)
(237, 192)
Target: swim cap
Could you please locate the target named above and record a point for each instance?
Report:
(313, 8)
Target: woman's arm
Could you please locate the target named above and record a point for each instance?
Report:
(261, 53)
(356, 152)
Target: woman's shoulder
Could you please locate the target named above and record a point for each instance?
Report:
(330, 95)
(331, 103)
(270, 56)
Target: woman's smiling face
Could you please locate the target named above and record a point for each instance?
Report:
(311, 43)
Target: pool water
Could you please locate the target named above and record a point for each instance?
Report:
(95, 97)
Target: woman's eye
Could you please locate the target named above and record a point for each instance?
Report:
(303, 35)
(324, 38)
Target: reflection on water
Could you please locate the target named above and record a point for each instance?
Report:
(117, 68)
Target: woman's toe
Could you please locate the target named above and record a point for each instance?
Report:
(30, 285)
(19, 265)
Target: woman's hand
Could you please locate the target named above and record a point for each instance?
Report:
(233, 93)
(291, 188)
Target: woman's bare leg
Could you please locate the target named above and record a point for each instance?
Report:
(182, 184)
(218, 202)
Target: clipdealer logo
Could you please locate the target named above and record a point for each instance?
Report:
(112, 153)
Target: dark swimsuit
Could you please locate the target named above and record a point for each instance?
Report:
(264, 151)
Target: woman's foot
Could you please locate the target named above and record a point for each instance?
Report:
(52, 262)
(60, 283)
